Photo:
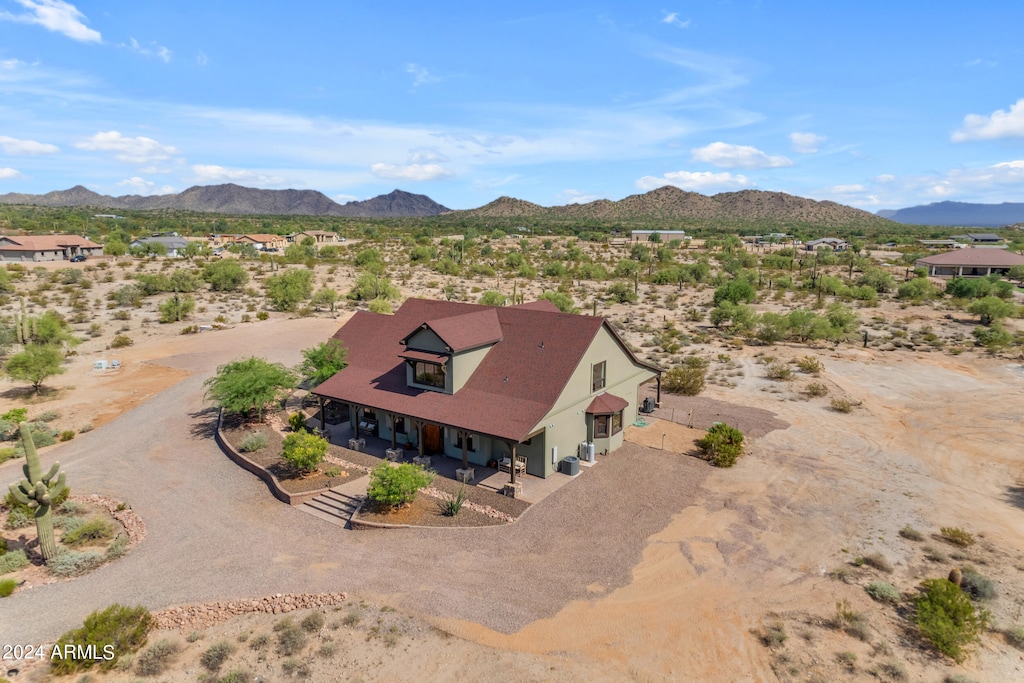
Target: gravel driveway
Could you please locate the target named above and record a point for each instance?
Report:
(215, 532)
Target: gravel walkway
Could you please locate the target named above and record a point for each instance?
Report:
(214, 533)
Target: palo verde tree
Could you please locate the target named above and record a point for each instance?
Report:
(38, 491)
(35, 364)
(249, 385)
(323, 361)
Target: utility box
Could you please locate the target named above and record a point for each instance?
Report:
(571, 465)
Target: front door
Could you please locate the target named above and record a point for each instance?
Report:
(432, 439)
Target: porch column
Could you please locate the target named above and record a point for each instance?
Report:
(394, 437)
(659, 389)
(465, 440)
(320, 400)
(512, 462)
(419, 437)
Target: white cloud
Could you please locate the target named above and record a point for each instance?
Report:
(140, 150)
(411, 171)
(142, 186)
(152, 50)
(701, 181)
(426, 155)
(724, 155)
(57, 16)
(420, 75)
(806, 143)
(1001, 124)
(847, 189)
(345, 198)
(6, 173)
(208, 173)
(577, 197)
(15, 147)
(885, 178)
(673, 19)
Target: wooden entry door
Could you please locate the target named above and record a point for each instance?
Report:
(432, 439)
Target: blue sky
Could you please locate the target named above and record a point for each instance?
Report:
(872, 104)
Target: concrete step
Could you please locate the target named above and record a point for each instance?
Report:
(327, 517)
(330, 505)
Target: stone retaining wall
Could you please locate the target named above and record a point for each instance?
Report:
(273, 483)
(211, 613)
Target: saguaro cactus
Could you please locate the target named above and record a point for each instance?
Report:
(38, 491)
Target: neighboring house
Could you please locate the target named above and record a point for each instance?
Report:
(665, 235)
(833, 243)
(970, 262)
(318, 236)
(488, 383)
(262, 242)
(941, 244)
(46, 247)
(174, 244)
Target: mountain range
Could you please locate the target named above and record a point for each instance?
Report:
(960, 214)
(235, 199)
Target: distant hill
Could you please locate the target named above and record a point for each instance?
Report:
(235, 199)
(960, 214)
(671, 203)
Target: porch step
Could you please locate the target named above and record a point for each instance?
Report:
(332, 506)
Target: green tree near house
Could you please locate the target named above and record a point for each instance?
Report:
(288, 289)
(35, 364)
(323, 361)
(991, 309)
(38, 491)
(249, 385)
(226, 275)
(397, 486)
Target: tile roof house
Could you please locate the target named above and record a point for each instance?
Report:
(318, 236)
(970, 262)
(45, 247)
(172, 243)
(833, 243)
(262, 242)
(485, 383)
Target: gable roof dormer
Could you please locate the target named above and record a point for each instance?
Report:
(458, 333)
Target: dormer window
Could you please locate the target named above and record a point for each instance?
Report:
(430, 374)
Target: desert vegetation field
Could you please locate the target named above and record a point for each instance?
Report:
(809, 559)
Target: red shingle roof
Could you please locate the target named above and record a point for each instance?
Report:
(999, 258)
(606, 404)
(468, 330)
(45, 242)
(513, 387)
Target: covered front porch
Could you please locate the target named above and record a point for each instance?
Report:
(488, 461)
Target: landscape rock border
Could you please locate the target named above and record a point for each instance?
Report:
(207, 614)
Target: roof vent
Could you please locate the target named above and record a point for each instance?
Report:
(506, 379)
(542, 345)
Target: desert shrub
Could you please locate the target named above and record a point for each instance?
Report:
(333, 471)
(118, 548)
(254, 442)
(451, 504)
(852, 622)
(957, 536)
(290, 638)
(958, 678)
(1016, 636)
(313, 622)
(259, 642)
(262, 315)
(816, 389)
(778, 372)
(841, 405)
(685, 380)
(911, 534)
(67, 435)
(7, 587)
(877, 561)
(947, 619)
(304, 451)
(810, 365)
(721, 445)
(125, 629)
(8, 453)
(19, 519)
(120, 341)
(239, 675)
(773, 634)
(13, 561)
(155, 659)
(976, 586)
(3, 546)
(94, 529)
(215, 656)
(882, 591)
(889, 671)
(297, 421)
(48, 416)
(87, 427)
(397, 486)
(74, 562)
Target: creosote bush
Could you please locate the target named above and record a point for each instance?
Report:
(397, 486)
(156, 658)
(215, 656)
(688, 380)
(911, 534)
(947, 618)
(957, 536)
(882, 591)
(124, 629)
(7, 587)
(304, 451)
(721, 445)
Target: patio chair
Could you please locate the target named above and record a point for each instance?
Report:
(505, 463)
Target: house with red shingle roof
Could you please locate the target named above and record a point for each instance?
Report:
(486, 383)
(46, 247)
(970, 262)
